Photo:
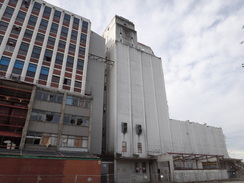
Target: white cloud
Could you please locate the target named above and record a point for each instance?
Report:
(199, 42)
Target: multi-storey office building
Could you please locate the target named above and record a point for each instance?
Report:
(48, 47)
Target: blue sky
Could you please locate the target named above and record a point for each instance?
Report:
(199, 43)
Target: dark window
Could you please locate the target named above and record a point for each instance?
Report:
(21, 16)
(25, 3)
(44, 73)
(84, 26)
(54, 28)
(55, 79)
(43, 24)
(3, 26)
(57, 15)
(18, 66)
(72, 47)
(83, 38)
(61, 44)
(31, 71)
(36, 52)
(4, 62)
(59, 58)
(144, 167)
(80, 64)
(70, 61)
(16, 29)
(64, 31)
(37, 7)
(76, 22)
(48, 55)
(74, 35)
(23, 48)
(77, 84)
(47, 11)
(51, 41)
(66, 18)
(67, 81)
(8, 12)
(28, 33)
(10, 45)
(1, 39)
(13, 2)
(32, 20)
(40, 37)
(81, 51)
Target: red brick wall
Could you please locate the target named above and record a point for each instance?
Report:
(30, 170)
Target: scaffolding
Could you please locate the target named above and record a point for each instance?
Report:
(14, 100)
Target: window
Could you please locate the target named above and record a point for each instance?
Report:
(61, 44)
(77, 84)
(64, 31)
(74, 35)
(49, 97)
(18, 66)
(66, 19)
(28, 33)
(25, 3)
(32, 20)
(67, 81)
(16, 29)
(70, 61)
(139, 147)
(137, 168)
(51, 41)
(8, 12)
(33, 138)
(54, 28)
(47, 11)
(144, 167)
(43, 24)
(84, 26)
(21, 16)
(80, 64)
(124, 146)
(31, 71)
(40, 37)
(72, 47)
(10, 45)
(47, 116)
(23, 48)
(76, 22)
(76, 120)
(44, 73)
(55, 79)
(83, 38)
(3, 26)
(1, 39)
(59, 58)
(4, 62)
(74, 141)
(81, 51)
(48, 55)
(57, 15)
(37, 7)
(36, 52)
(13, 2)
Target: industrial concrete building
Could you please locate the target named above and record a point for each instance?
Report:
(66, 91)
(146, 145)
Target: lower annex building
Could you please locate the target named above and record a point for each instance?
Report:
(66, 91)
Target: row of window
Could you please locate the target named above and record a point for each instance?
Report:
(58, 98)
(46, 139)
(124, 147)
(47, 12)
(47, 116)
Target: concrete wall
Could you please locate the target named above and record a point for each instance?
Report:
(199, 175)
(95, 80)
(191, 137)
